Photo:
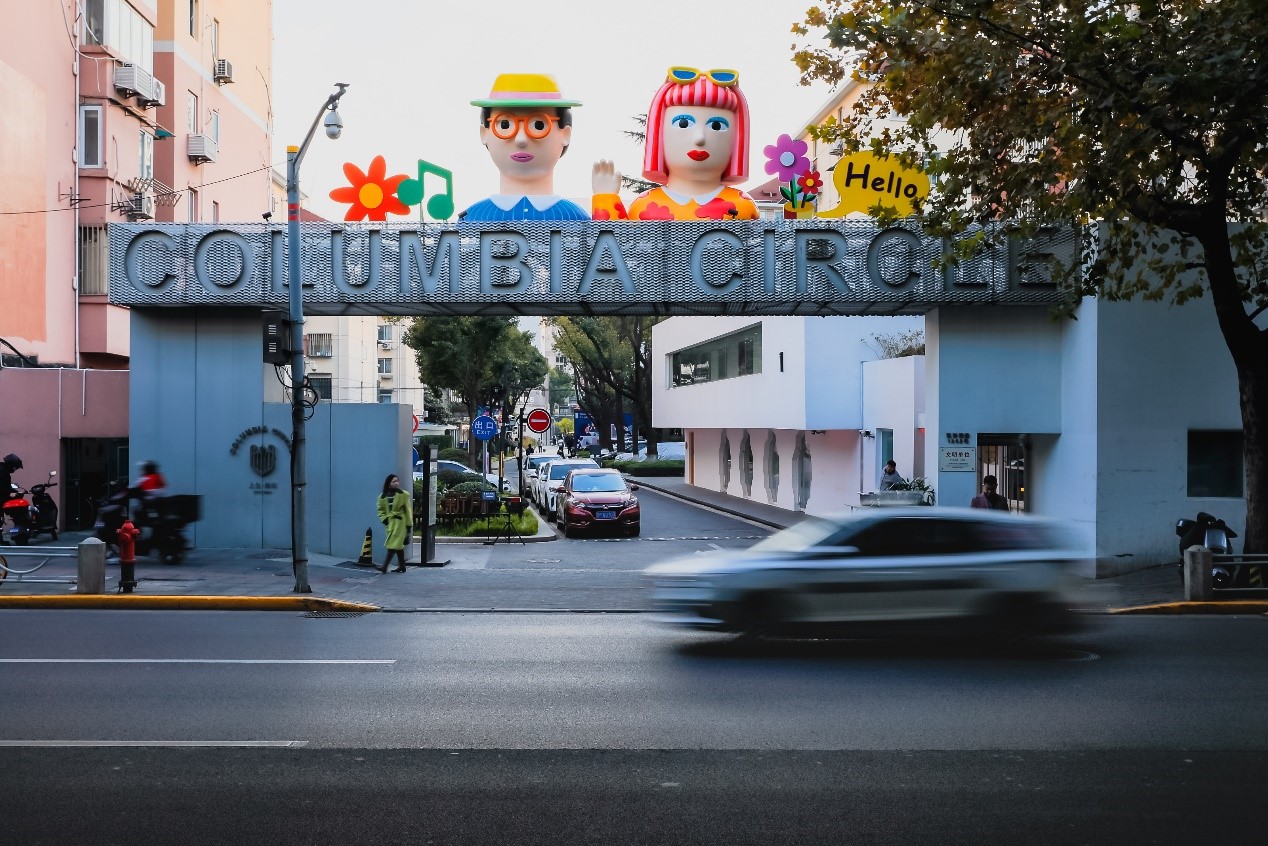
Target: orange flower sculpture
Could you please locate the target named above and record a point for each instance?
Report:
(372, 194)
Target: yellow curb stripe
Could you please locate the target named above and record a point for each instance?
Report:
(1230, 607)
(187, 603)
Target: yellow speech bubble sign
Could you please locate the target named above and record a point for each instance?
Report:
(865, 179)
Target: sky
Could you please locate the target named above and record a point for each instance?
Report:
(414, 66)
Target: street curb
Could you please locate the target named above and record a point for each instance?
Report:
(639, 480)
(186, 603)
(1231, 607)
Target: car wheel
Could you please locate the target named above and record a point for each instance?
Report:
(763, 615)
(569, 532)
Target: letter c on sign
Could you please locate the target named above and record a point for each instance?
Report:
(132, 260)
(732, 280)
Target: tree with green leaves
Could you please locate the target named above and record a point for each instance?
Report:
(471, 355)
(1148, 118)
(611, 357)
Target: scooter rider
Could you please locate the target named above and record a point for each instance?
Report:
(8, 464)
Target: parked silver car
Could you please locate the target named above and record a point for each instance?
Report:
(550, 477)
(882, 569)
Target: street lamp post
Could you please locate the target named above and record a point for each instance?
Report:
(299, 473)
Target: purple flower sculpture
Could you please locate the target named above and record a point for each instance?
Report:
(787, 158)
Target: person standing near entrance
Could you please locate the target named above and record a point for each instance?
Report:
(397, 514)
(890, 480)
(988, 498)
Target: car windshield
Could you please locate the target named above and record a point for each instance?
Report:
(597, 483)
(536, 461)
(561, 471)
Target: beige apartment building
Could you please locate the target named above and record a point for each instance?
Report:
(115, 111)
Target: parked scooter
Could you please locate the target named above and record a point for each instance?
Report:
(32, 512)
(1211, 532)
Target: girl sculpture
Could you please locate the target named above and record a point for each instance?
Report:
(697, 148)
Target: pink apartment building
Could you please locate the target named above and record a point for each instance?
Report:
(116, 110)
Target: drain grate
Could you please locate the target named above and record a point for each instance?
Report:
(324, 615)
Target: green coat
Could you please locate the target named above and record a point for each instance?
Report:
(397, 514)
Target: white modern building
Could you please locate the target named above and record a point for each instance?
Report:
(1121, 421)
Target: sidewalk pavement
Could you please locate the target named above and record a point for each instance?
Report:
(262, 579)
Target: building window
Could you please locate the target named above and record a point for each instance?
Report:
(1216, 463)
(90, 136)
(147, 155)
(193, 18)
(215, 40)
(385, 367)
(215, 127)
(94, 260)
(191, 112)
(322, 385)
(319, 345)
(114, 24)
(385, 395)
(737, 354)
(193, 205)
(385, 333)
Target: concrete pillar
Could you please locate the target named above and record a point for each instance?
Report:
(1197, 574)
(92, 567)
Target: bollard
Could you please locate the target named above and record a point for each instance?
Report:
(92, 567)
(127, 535)
(1197, 574)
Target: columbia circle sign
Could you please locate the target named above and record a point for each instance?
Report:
(538, 420)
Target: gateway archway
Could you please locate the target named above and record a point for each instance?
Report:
(201, 395)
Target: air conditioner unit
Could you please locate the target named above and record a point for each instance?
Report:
(202, 148)
(141, 207)
(134, 79)
(157, 95)
(387, 345)
(385, 376)
(223, 71)
(838, 150)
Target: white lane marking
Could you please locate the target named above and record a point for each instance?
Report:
(195, 661)
(243, 743)
(715, 546)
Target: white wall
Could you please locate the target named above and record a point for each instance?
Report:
(892, 393)
(1163, 371)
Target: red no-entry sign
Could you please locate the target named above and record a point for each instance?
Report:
(538, 420)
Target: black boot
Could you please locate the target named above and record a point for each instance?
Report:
(383, 569)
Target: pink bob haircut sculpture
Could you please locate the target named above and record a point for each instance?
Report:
(702, 92)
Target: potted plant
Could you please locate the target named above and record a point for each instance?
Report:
(914, 491)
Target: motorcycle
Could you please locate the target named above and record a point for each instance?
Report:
(161, 519)
(1211, 532)
(32, 512)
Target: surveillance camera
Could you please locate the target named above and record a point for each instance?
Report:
(333, 124)
(267, 216)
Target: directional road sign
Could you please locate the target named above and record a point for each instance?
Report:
(538, 420)
(484, 427)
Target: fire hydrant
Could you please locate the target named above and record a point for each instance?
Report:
(127, 536)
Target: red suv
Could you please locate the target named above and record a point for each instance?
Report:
(597, 499)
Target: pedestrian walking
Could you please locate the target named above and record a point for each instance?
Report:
(397, 515)
(988, 498)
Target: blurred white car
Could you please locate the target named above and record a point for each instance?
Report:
(550, 478)
(883, 569)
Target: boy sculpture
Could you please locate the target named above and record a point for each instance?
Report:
(526, 125)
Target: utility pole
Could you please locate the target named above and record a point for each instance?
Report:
(299, 411)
